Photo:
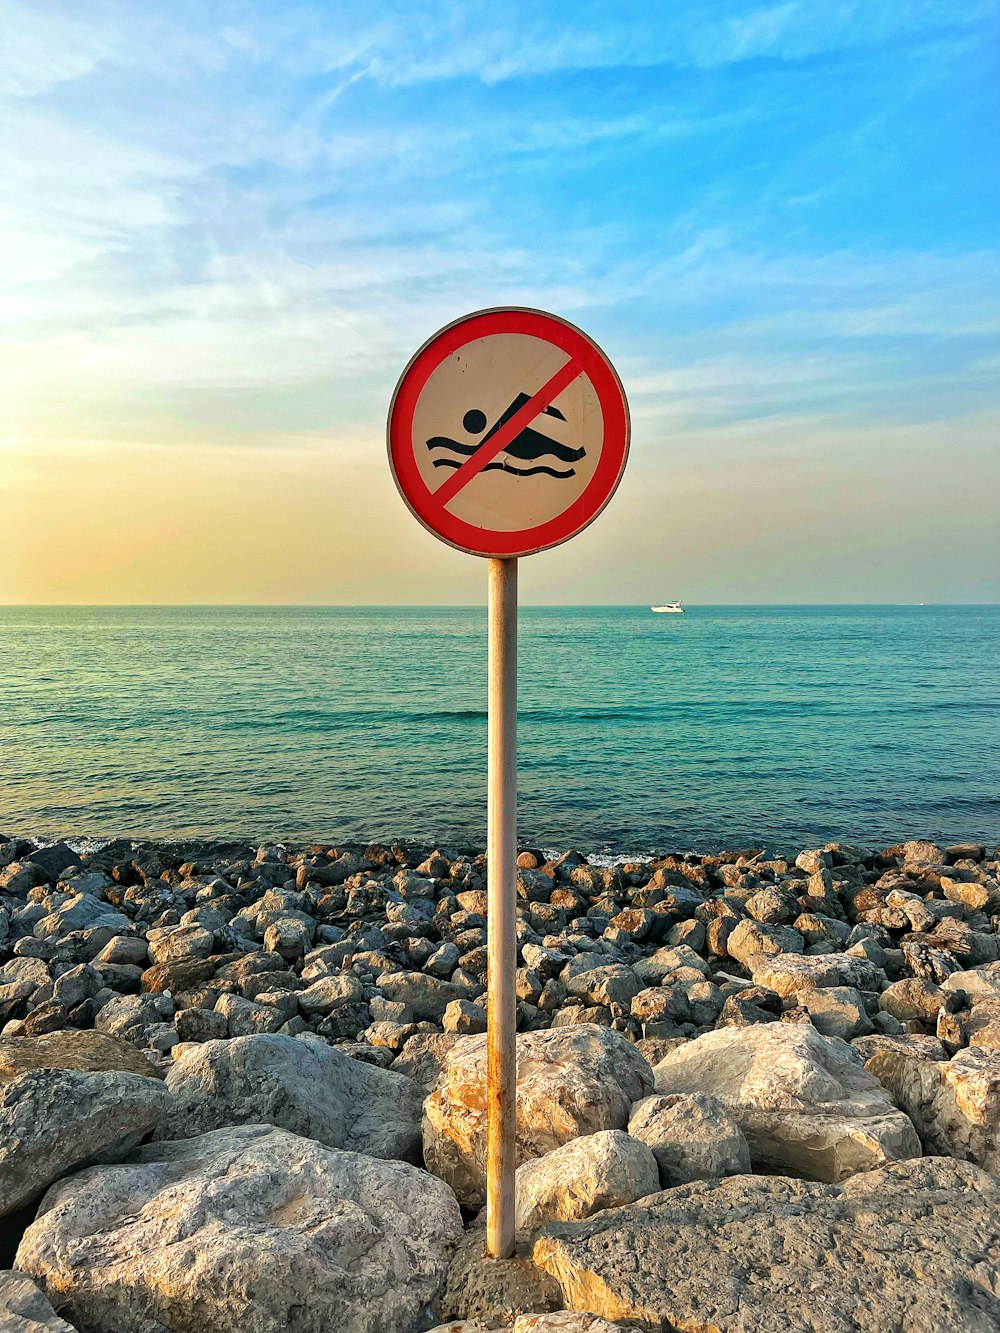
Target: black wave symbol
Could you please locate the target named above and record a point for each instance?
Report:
(528, 445)
(509, 467)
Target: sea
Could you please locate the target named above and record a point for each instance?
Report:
(775, 727)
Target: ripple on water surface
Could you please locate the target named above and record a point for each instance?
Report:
(729, 725)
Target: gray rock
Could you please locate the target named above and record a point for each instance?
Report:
(909, 1248)
(303, 1086)
(245, 1230)
(611, 984)
(245, 1018)
(128, 1016)
(692, 1136)
(25, 1309)
(174, 943)
(80, 911)
(426, 997)
(55, 1120)
(200, 1025)
(443, 961)
(836, 1011)
(423, 1057)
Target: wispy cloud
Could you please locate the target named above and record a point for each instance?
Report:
(227, 228)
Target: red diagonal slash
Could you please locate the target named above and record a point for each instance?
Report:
(496, 444)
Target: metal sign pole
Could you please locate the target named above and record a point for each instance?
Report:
(501, 848)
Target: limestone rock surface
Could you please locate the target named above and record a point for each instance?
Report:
(303, 1086)
(25, 1309)
(804, 1102)
(565, 1321)
(571, 1081)
(692, 1136)
(55, 1120)
(788, 974)
(954, 1104)
(245, 1230)
(603, 1170)
(90, 1051)
(909, 1248)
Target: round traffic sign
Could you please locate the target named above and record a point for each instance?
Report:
(508, 432)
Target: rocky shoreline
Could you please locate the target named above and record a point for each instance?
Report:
(241, 1089)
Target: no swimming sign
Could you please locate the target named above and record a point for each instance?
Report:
(508, 432)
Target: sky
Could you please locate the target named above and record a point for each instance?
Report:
(225, 228)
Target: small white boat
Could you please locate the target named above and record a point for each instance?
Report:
(672, 608)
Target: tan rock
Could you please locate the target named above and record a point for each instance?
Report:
(910, 1248)
(571, 1081)
(565, 1321)
(911, 999)
(787, 974)
(750, 938)
(603, 1170)
(462, 1326)
(89, 1052)
(804, 1102)
(954, 1104)
(980, 983)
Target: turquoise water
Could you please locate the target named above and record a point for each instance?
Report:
(728, 726)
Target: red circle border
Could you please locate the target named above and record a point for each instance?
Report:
(614, 453)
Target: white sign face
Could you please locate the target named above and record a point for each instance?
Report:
(548, 464)
(508, 432)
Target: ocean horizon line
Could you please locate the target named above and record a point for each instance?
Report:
(464, 606)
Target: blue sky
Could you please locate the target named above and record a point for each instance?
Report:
(226, 227)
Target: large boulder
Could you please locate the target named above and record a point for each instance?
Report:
(804, 1102)
(954, 1104)
(88, 1051)
(603, 1170)
(692, 1137)
(25, 1309)
(571, 1081)
(910, 1248)
(245, 1230)
(303, 1086)
(55, 1120)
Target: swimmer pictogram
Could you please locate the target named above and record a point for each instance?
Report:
(528, 446)
(508, 432)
